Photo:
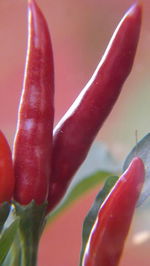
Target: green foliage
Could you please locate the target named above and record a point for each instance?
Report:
(14, 256)
(77, 191)
(9, 226)
(4, 212)
(20, 235)
(7, 238)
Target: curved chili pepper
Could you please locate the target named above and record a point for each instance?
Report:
(33, 143)
(7, 179)
(76, 131)
(111, 227)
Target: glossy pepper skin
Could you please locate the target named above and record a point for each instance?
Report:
(111, 227)
(33, 141)
(7, 179)
(76, 131)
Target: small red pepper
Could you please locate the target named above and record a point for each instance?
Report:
(7, 179)
(111, 227)
(33, 142)
(76, 131)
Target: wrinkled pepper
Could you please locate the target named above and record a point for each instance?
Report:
(7, 179)
(33, 141)
(111, 227)
(76, 131)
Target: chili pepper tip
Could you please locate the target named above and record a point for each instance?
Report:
(135, 8)
(138, 161)
(136, 165)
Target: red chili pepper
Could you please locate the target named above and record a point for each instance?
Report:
(7, 179)
(33, 143)
(111, 227)
(76, 131)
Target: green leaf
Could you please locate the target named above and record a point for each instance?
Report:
(142, 150)
(4, 212)
(7, 238)
(97, 167)
(77, 191)
(91, 216)
(14, 257)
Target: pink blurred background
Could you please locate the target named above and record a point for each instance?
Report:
(80, 31)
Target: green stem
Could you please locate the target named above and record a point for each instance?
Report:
(29, 251)
(32, 221)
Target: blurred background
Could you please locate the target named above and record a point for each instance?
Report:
(80, 31)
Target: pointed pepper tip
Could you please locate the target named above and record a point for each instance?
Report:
(135, 9)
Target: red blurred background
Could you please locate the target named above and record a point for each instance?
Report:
(80, 31)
